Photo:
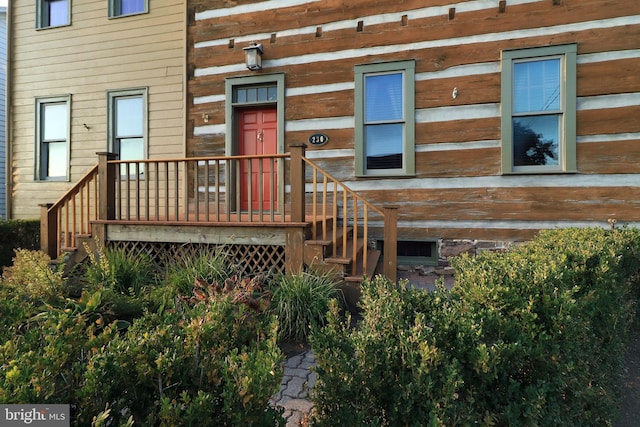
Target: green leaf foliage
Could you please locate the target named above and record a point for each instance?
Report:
(208, 357)
(533, 336)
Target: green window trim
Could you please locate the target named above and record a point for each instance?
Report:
(44, 15)
(233, 84)
(407, 68)
(566, 113)
(112, 135)
(43, 156)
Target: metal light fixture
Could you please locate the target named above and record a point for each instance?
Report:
(253, 56)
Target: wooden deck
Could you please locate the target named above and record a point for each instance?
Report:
(312, 216)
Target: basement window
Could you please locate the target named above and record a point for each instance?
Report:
(415, 252)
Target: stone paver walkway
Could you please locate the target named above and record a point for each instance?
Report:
(297, 382)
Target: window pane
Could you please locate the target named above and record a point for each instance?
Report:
(129, 116)
(252, 94)
(383, 146)
(54, 122)
(536, 140)
(272, 93)
(57, 12)
(131, 6)
(241, 95)
(132, 149)
(262, 94)
(383, 97)
(536, 86)
(56, 159)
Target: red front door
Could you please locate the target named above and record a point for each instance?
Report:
(258, 135)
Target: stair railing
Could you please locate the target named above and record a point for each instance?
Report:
(63, 221)
(331, 197)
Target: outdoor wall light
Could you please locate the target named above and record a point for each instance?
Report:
(253, 56)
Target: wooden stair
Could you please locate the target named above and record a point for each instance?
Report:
(323, 256)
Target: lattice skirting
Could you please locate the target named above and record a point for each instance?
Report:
(251, 259)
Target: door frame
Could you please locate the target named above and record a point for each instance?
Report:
(231, 122)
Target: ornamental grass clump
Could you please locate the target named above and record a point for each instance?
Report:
(301, 302)
(124, 273)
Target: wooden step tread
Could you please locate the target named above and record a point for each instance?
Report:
(373, 256)
(327, 242)
(334, 260)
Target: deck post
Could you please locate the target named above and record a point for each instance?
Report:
(294, 251)
(106, 195)
(106, 186)
(390, 242)
(297, 176)
(48, 231)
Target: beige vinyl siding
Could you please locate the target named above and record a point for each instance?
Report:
(457, 139)
(94, 55)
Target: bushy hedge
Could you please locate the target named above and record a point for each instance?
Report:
(533, 336)
(204, 358)
(17, 234)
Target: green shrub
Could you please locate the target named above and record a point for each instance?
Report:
(211, 358)
(529, 337)
(388, 371)
(213, 361)
(32, 276)
(17, 234)
(45, 361)
(301, 302)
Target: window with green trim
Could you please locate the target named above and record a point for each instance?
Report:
(127, 7)
(385, 119)
(52, 137)
(127, 117)
(539, 110)
(53, 13)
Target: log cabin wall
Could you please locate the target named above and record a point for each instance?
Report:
(460, 188)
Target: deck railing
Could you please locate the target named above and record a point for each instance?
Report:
(234, 190)
(352, 217)
(204, 189)
(71, 216)
(330, 199)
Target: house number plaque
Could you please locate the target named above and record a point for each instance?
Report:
(318, 139)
